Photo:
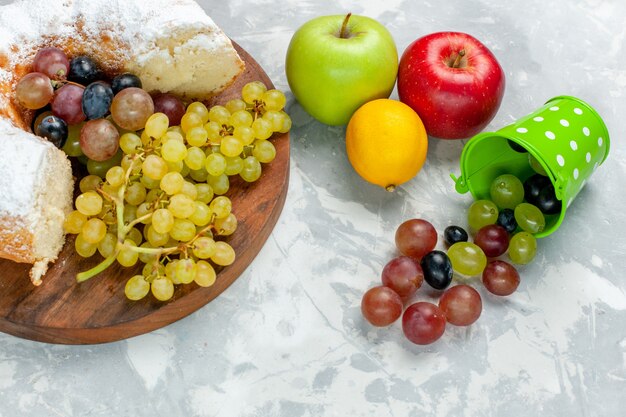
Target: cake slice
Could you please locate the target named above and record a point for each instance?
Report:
(36, 189)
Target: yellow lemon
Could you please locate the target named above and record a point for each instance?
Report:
(386, 143)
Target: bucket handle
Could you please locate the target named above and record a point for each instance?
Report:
(460, 185)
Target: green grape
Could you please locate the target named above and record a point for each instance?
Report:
(135, 235)
(200, 109)
(276, 119)
(170, 271)
(84, 248)
(219, 184)
(195, 158)
(72, 144)
(136, 288)
(127, 256)
(181, 206)
(507, 191)
(224, 254)
(175, 166)
(231, 146)
(204, 193)
(274, 100)
(227, 225)
(106, 247)
(219, 115)
(162, 288)
(149, 183)
(74, 222)
(264, 151)
(215, 164)
(286, 123)
(240, 118)
(262, 129)
(253, 91)
(213, 130)
(173, 135)
(197, 136)
(153, 195)
(189, 189)
(244, 134)
(536, 165)
(152, 270)
(135, 194)
(234, 165)
(251, 170)
(162, 221)
(155, 238)
(115, 176)
(154, 167)
(89, 183)
(185, 270)
(130, 143)
(235, 105)
(89, 203)
(199, 175)
(205, 274)
(172, 183)
(156, 125)
(529, 218)
(204, 247)
(189, 121)
(128, 163)
(221, 206)
(130, 213)
(481, 213)
(174, 151)
(202, 215)
(467, 258)
(100, 168)
(93, 231)
(147, 258)
(183, 230)
(522, 248)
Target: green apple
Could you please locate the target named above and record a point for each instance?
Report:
(335, 64)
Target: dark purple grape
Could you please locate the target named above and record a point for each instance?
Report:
(125, 80)
(506, 219)
(533, 186)
(54, 129)
(453, 234)
(547, 201)
(83, 70)
(516, 146)
(171, 106)
(493, 240)
(97, 99)
(437, 269)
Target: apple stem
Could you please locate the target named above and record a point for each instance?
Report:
(344, 27)
(457, 60)
(390, 188)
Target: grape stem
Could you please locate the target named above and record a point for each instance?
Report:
(85, 275)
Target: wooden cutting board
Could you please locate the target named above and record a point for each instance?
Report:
(97, 311)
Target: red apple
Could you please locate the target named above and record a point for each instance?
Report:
(453, 82)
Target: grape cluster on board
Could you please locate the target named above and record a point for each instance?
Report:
(506, 224)
(158, 170)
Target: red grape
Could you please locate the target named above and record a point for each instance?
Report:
(131, 108)
(53, 62)
(381, 306)
(461, 304)
(500, 278)
(68, 104)
(171, 106)
(423, 323)
(415, 238)
(403, 275)
(493, 240)
(34, 90)
(99, 139)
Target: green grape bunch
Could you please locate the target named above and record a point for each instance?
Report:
(163, 204)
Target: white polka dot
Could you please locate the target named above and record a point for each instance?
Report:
(560, 160)
(575, 173)
(521, 130)
(600, 141)
(554, 108)
(578, 111)
(586, 131)
(573, 145)
(588, 157)
(538, 119)
(550, 135)
(564, 123)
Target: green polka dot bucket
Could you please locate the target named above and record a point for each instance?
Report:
(566, 136)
